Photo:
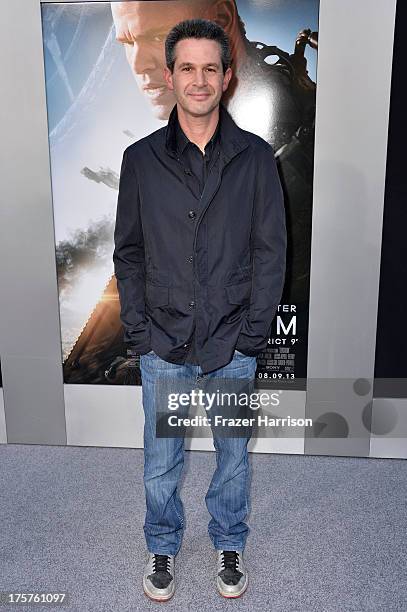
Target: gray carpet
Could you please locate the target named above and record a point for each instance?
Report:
(327, 533)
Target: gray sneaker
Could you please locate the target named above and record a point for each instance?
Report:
(232, 578)
(159, 578)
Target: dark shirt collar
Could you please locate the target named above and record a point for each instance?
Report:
(182, 139)
(232, 139)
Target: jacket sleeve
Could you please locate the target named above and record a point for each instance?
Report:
(268, 247)
(128, 259)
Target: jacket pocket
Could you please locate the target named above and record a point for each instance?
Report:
(156, 295)
(240, 293)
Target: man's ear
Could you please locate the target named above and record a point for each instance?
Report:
(226, 79)
(168, 78)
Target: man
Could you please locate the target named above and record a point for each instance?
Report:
(200, 242)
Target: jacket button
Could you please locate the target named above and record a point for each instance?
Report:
(192, 214)
(191, 304)
(187, 171)
(186, 345)
(190, 259)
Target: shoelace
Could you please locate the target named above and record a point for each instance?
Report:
(161, 563)
(230, 559)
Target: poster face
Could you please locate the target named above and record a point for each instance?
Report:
(105, 89)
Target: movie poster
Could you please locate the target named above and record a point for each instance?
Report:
(105, 89)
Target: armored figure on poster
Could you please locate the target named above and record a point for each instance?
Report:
(291, 133)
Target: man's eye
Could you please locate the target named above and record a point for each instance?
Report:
(186, 68)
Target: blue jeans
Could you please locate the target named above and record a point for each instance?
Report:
(227, 498)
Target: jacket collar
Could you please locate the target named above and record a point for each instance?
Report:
(232, 138)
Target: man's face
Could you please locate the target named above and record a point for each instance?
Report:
(197, 81)
(142, 27)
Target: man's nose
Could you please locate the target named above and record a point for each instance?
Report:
(142, 58)
(200, 78)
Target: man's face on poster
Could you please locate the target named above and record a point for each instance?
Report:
(142, 28)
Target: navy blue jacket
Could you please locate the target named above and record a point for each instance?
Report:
(216, 264)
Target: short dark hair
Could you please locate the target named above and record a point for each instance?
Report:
(197, 28)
